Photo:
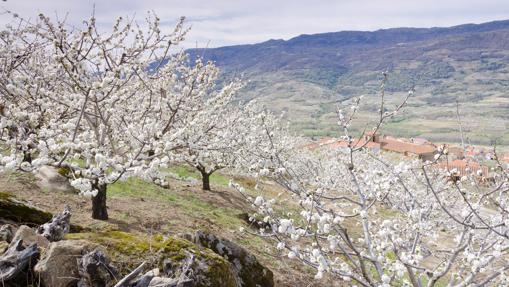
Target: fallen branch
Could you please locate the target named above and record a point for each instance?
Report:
(16, 259)
(131, 276)
(169, 282)
(58, 227)
(145, 280)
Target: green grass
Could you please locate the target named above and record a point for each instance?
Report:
(192, 205)
(184, 171)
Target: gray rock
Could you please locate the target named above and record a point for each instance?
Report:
(59, 265)
(95, 270)
(29, 236)
(201, 266)
(50, 179)
(247, 268)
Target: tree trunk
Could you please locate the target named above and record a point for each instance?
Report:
(27, 157)
(99, 210)
(205, 177)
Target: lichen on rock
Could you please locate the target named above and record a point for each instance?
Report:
(245, 265)
(3, 247)
(170, 254)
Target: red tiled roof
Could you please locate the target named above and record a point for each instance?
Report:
(355, 143)
(337, 143)
(456, 150)
(405, 147)
(419, 141)
(464, 167)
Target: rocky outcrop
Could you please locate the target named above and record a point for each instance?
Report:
(175, 257)
(92, 259)
(14, 210)
(95, 269)
(81, 260)
(245, 265)
(59, 265)
(21, 212)
(58, 227)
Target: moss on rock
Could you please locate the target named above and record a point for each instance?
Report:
(21, 212)
(245, 265)
(128, 250)
(64, 171)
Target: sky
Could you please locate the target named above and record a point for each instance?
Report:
(231, 22)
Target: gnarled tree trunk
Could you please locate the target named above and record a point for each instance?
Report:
(99, 209)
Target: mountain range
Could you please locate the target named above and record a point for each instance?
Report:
(308, 76)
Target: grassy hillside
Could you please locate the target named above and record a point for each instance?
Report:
(309, 75)
(144, 209)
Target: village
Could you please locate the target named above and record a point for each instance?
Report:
(458, 161)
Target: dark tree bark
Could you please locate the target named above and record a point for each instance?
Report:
(27, 157)
(205, 177)
(99, 209)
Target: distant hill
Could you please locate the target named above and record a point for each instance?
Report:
(307, 75)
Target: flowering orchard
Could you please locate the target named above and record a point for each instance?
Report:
(369, 221)
(104, 107)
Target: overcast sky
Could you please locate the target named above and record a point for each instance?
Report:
(222, 22)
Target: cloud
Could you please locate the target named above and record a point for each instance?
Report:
(229, 22)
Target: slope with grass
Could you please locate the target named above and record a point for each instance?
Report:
(142, 208)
